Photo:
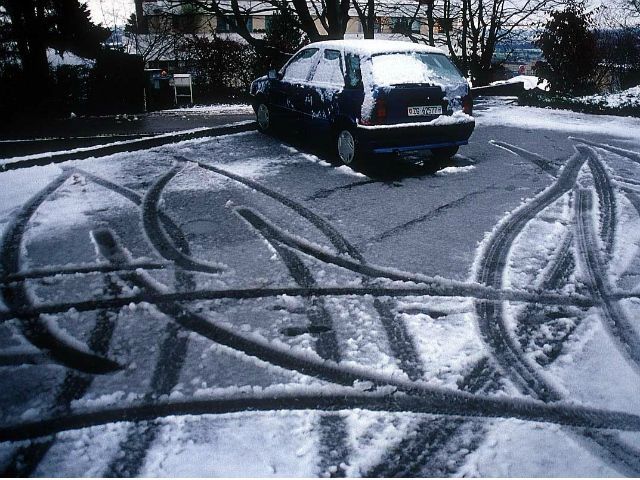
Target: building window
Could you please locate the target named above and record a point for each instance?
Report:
(444, 25)
(223, 25)
(405, 25)
(187, 23)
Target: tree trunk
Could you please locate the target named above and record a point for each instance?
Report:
(141, 21)
(370, 30)
(431, 23)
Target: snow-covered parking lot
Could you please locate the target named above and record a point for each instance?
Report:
(237, 306)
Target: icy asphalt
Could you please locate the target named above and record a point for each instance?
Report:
(238, 306)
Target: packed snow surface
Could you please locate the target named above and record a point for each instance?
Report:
(348, 311)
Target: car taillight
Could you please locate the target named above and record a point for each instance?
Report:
(381, 110)
(467, 104)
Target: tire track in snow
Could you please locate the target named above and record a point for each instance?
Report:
(631, 155)
(441, 287)
(325, 227)
(332, 428)
(37, 331)
(607, 201)
(343, 399)
(401, 345)
(428, 399)
(615, 320)
(534, 316)
(427, 451)
(491, 317)
(493, 263)
(538, 160)
(257, 293)
(174, 232)
(74, 386)
(171, 357)
(159, 238)
(54, 271)
(26, 459)
(399, 340)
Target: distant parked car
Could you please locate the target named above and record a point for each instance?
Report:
(369, 96)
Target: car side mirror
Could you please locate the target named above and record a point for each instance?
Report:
(273, 75)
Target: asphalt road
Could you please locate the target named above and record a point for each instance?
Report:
(239, 305)
(66, 134)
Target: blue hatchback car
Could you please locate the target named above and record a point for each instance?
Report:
(370, 96)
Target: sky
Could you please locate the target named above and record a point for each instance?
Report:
(116, 12)
(110, 12)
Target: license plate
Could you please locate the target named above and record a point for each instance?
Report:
(425, 111)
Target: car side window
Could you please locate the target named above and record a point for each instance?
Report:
(353, 74)
(329, 70)
(299, 67)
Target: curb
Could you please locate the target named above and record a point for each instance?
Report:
(131, 146)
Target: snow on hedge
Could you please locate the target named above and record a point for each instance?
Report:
(626, 98)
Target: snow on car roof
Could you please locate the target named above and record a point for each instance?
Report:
(373, 47)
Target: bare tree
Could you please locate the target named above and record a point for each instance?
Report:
(472, 29)
(318, 19)
(367, 15)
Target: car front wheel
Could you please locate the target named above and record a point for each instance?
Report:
(264, 118)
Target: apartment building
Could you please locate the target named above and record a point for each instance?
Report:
(394, 18)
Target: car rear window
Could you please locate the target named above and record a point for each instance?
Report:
(299, 67)
(414, 67)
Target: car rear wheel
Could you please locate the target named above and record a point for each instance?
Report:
(444, 153)
(347, 148)
(264, 118)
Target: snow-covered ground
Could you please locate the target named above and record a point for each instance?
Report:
(626, 98)
(237, 306)
(217, 109)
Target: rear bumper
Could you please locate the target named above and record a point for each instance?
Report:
(402, 138)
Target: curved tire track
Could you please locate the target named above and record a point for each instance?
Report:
(539, 161)
(332, 428)
(631, 155)
(325, 227)
(17, 298)
(490, 408)
(496, 333)
(74, 386)
(171, 357)
(607, 200)
(158, 237)
(490, 317)
(615, 320)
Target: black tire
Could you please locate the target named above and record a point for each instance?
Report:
(347, 148)
(444, 153)
(264, 117)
